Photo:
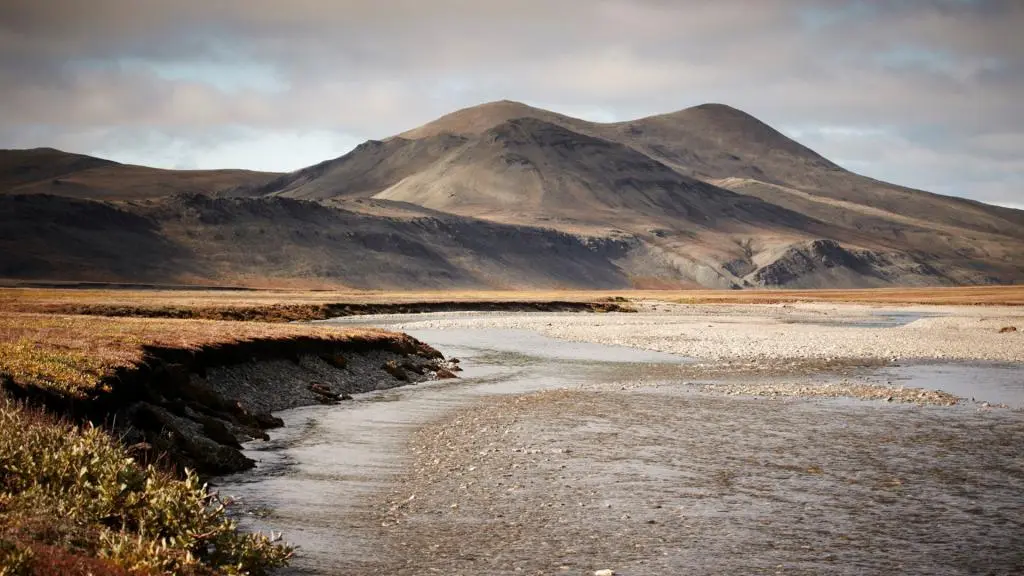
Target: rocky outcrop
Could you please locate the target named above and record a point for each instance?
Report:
(826, 263)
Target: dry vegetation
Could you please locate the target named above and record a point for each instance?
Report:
(74, 502)
(288, 306)
(953, 296)
(298, 305)
(75, 354)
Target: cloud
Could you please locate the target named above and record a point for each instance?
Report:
(940, 77)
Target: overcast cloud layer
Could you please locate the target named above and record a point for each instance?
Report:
(922, 93)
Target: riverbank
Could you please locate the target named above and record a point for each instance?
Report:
(285, 306)
(106, 422)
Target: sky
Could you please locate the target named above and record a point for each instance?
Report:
(924, 93)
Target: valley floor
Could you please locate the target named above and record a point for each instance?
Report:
(778, 439)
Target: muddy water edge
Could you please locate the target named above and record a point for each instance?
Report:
(552, 457)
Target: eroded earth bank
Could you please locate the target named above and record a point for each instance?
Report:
(790, 439)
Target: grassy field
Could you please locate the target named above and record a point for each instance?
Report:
(76, 354)
(70, 301)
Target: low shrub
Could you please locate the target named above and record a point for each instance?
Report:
(72, 496)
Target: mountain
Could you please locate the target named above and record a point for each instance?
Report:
(507, 195)
(50, 171)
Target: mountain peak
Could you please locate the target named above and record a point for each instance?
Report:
(476, 120)
(717, 107)
(710, 113)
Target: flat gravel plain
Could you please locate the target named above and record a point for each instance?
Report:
(775, 333)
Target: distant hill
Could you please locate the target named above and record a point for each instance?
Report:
(506, 195)
(50, 171)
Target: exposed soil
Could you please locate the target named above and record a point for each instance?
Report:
(193, 408)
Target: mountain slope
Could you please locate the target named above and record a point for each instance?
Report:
(714, 141)
(542, 171)
(713, 195)
(279, 241)
(365, 171)
(50, 171)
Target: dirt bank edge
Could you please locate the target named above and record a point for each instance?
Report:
(307, 312)
(167, 406)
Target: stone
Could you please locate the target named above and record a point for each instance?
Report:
(445, 374)
(219, 432)
(334, 359)
(323, 394)
(392, 367)
(411, 366)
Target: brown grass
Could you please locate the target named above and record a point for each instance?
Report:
(285, 306)
(75, 354)
(954, 296)
(65, 300)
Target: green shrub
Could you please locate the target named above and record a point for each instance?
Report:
(76, 489)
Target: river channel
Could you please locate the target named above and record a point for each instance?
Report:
(712, 484)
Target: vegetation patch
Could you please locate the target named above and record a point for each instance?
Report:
(79, 356)
(73, 501)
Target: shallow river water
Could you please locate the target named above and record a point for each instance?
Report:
(742, 486)
(325, 457)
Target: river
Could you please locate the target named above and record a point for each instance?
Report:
(750, 484)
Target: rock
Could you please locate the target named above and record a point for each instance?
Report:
(334, 359)
(411, 366)
(392, 367)
(445, 374)
(266, 420)
(323, 394)
(195, 392)
(1007, 329)
(187, 441)
(322, 390)
(219, 432)
(604, 572)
